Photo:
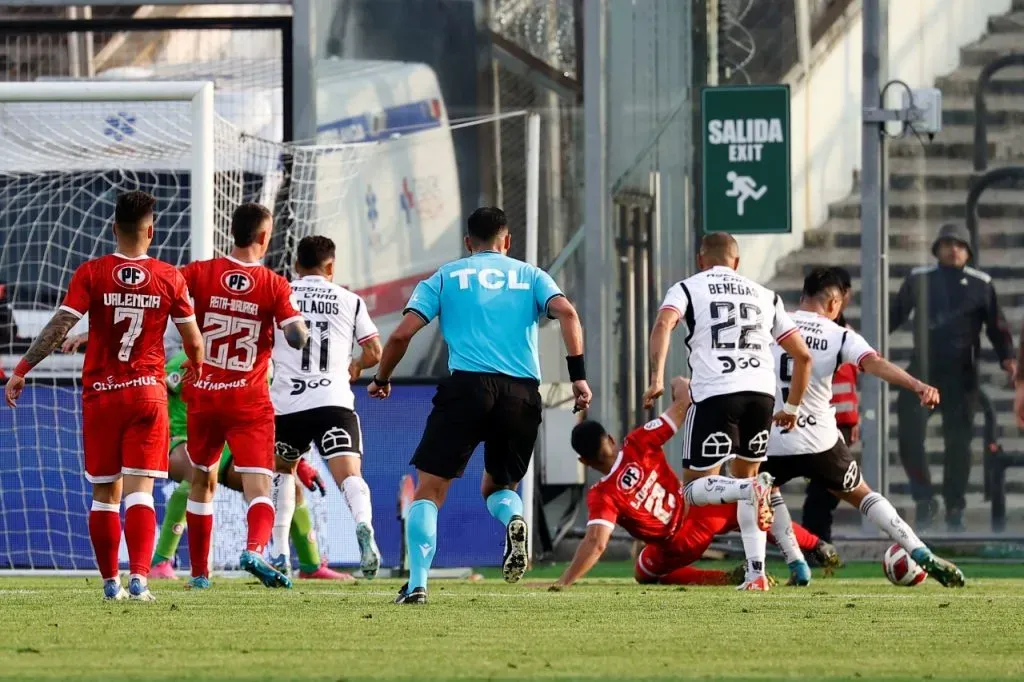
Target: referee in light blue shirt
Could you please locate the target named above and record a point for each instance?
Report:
(488, 305)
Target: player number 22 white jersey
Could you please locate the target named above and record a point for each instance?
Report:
(732, 322)
(317, 375)
(831, 346)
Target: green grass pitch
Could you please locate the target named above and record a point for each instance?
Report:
(851, 627)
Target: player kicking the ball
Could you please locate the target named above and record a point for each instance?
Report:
(129, 298)
(814, 448)
(640, 492)
(237, 301)
(313, 400)
(732, 322)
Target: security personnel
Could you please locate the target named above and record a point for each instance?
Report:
(820, 504)
(950, 302)
(488, 306)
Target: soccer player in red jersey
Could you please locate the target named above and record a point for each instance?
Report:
(237, 303)
(641, 493)
(129, 298)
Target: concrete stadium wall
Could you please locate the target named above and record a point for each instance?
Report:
(925, 37)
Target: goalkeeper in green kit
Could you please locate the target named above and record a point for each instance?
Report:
(180, 469)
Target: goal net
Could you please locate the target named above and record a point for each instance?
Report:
(69, 150)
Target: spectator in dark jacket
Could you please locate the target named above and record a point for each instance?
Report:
(950, 303)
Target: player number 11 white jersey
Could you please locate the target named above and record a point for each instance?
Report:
(831, 346)
(317, 375)
(732, 322)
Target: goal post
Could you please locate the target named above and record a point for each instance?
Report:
(199, 94)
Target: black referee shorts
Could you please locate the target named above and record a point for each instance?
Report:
(470, 408)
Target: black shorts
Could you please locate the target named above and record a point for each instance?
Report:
(333, 430)
(470, 408)
(726, 426)
(835, 468)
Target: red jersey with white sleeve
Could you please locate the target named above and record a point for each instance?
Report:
(129, 301)
(641, 493)
(237, 305)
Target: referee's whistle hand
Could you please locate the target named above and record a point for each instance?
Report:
(581, 390)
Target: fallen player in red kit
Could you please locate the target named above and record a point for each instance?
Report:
(640, 492)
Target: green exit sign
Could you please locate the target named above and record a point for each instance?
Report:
(746, 171)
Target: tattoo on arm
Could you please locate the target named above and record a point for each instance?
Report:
(50, 337)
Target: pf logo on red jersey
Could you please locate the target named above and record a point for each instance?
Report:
(630, 477)
(131, 276)
(236, 281)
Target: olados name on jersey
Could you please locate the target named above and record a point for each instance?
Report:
(831, 346)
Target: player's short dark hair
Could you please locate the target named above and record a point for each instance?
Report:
(485, 223)
(132, 209)
(314, 251)
(246, 221)
(820, 280)
(719, 246)
(586, 439)
(844, 276)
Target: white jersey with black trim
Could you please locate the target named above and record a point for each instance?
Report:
(317, 375)
(732, 322)
(831, 345)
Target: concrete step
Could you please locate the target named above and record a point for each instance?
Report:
(913, 235)
(925, 173)
(963, 82)
(937, 205)
(989, 48)
(1010, 293)
(957, 142)
(1003, 263)
(1007, 23)
(1000, 110)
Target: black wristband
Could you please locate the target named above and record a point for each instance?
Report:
(381, 382)
(577, 370)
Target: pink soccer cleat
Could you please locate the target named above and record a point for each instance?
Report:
(758, 584)
(163, 571)
(327, 573)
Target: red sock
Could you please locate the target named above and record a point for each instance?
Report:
(105, 533)
(261, 522)
(139, 531)
(688, 575)
(805, 539)
(199, 519)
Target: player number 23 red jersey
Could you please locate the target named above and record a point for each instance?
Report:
(237, 305)
(641, 493)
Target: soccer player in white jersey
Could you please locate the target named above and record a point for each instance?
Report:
(313, 401)
(814, 448)
(732, 322)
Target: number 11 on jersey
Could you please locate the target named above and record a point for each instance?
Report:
(323, 341)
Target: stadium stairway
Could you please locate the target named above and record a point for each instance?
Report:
(927, 186)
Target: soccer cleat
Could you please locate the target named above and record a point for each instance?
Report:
(280, 562)
(738, 576)
(799, 573)
(760, 492)
(944, 571)
(113, 591)
(138, 591)
(253, 563)
(199, 582)
(416, 596)
(513, 565)
(163, 571)
(369, 555)
(827, 557)
(323, 572)
(758, 584)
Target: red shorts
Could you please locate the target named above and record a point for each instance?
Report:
(249, 434)
(689, 543)
(124, 438)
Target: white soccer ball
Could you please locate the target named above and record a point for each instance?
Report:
(900, 569)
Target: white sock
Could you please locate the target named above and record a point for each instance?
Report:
(782, 529)
(717, 490)
(283, 497)
(357, 494)
(881, 513)
(755, 540)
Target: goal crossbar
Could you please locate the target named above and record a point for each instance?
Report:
(200, 96)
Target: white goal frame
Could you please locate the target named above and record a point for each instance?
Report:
(200, 96)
